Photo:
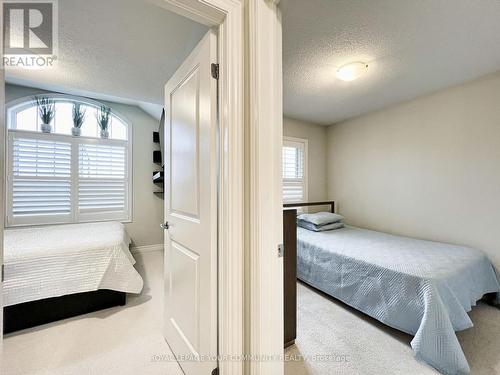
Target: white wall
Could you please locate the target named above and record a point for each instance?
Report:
(429, 168)
(147, 207)
(316, 166)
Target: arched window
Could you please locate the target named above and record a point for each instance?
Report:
(60, 178)
(23, 115)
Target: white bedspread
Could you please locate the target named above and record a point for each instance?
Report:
(57, 260)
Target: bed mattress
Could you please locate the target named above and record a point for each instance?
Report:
(57, 260)
(420, 287)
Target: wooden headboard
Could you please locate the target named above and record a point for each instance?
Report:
(309, 204)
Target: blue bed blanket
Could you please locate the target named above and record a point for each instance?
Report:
(420, 287)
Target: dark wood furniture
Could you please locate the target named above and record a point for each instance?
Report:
(290, 275)
(290, 266)
(297, 205)
(35, 313)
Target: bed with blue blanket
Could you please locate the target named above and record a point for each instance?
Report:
(419, 287)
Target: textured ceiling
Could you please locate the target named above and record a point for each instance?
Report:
(124, 50)
(412, 47)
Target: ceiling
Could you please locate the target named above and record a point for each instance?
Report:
(412, 47)
(120, 50)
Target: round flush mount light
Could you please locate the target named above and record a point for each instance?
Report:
(352, 71)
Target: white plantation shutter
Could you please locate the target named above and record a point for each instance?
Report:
(40, 180)
(61, 179)
(103, 180)
(294, 170)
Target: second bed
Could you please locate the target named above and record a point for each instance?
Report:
(420, 287)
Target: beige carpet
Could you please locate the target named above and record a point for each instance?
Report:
(333, 338)
(124, 340)
(121, 340)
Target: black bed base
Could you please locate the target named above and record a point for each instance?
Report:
(35, 313)
(492, 300)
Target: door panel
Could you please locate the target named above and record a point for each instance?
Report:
(184, 288)
(191, 160)
(184, 183)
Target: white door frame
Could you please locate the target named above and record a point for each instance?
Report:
(250, 105)
(227, 15)
(250, 226)
(264, 140)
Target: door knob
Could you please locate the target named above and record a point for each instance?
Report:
(165, 226)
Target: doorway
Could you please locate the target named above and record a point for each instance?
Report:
(107, 67)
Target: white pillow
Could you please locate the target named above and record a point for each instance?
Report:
(319, 228)
(321, 218)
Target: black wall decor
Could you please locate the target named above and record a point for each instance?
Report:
(158, 179)
(156, 137)
(157, 157)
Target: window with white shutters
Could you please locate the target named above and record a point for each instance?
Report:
(59, 178)
(40, 179)
(102, 179)
(294, 170)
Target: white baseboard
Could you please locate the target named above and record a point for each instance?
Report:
(147, 248)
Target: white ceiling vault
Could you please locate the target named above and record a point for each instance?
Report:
(121, 50)
(412, 47)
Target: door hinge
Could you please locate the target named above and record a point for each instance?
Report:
(215, 70)
(215, 371)
(3, 273)
(281, 250)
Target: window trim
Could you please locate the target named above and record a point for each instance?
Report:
(292, 141)
(25, 102)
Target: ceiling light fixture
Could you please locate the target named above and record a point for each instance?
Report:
(352, 71)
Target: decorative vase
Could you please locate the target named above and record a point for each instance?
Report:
(76, 131)
(46, 128)
(105, 134)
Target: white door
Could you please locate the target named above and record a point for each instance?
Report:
(191, 160)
